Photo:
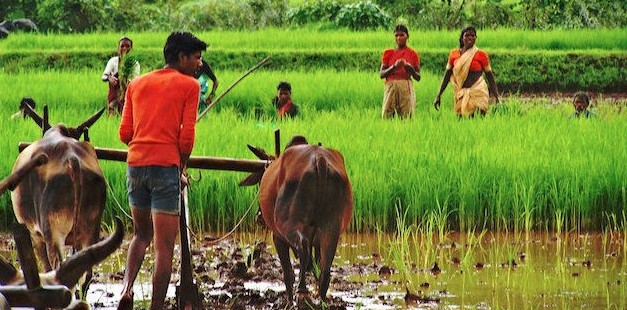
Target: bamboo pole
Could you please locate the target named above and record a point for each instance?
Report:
(199, 162)
(255, 67)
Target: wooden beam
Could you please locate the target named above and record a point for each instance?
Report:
(198, 162)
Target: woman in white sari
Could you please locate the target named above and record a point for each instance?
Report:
(465, 68)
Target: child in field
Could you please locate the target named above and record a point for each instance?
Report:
(581, 102)
(22, 112)
(204, 75)
(283, 101)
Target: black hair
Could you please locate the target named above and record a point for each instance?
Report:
(125, 38)
(461, 35)
(401, 27)
(181, 42)
(27, 101)
(582, 96)
(284, 85)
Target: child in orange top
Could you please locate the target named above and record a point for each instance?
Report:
(283, 101)
(398, 66)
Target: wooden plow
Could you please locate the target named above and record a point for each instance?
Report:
(33, 294)
(187, 294)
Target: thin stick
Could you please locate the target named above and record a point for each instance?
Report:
(257, 66)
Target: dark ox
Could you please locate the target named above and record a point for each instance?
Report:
(307, 201)
(60, 202)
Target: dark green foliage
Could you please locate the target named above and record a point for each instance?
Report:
(231, 14)
(530, 14)
(69, 16)
(314, 12)
(362, 15)
(72, 15)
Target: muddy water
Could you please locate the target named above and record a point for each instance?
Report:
(376, 271)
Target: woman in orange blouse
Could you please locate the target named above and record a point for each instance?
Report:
(466, 66)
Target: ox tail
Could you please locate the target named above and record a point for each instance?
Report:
(75, 266)
(74, 169)
(322, 173)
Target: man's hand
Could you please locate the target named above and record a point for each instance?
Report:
(184, 180)
(113, 80)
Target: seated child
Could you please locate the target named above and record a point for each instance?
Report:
(22, 112)
(283, 101)
(581, 101)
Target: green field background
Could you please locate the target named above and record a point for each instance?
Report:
(526, 166)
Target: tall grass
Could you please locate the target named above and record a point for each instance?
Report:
(312, 39)
(511, 169)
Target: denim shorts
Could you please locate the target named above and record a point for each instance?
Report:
(154, 187)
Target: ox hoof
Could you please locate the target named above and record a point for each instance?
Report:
(304, 300)
(126, 302)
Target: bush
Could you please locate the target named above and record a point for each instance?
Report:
(314, 12)
(362, 15)
(231, 14)
(73, 15)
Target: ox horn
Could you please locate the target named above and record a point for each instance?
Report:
(45, 124)
(75, 266)
(8, 273)
(86, 124)
(41, 122)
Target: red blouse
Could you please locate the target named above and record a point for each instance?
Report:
(390, 56)
(480, 61)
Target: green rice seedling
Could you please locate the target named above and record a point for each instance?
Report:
(399, 252)
(440, 218)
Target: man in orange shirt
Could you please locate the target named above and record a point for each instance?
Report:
(398, 66)
(158, 125)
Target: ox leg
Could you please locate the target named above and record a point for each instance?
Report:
(283, 250)
(328, 246)
(303, 249)
(40, 251)
(53, 250)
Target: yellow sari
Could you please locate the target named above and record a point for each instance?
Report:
(468, 100)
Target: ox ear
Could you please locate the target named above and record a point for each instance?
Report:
(86, 124)
(73, 268)
(260, 153)
(251, 179)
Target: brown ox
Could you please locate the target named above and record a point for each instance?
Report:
(60, 202)
(307, 201)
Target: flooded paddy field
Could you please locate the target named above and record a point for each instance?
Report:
(383, 271)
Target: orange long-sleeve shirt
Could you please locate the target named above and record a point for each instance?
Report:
(159, 118)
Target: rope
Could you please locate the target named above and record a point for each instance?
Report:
(117, 203)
